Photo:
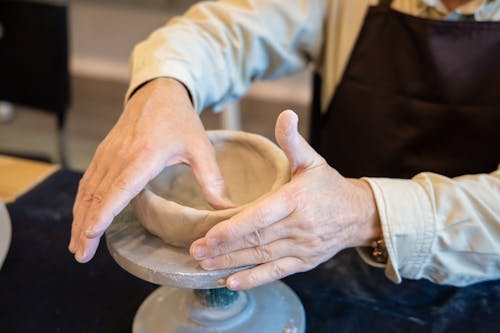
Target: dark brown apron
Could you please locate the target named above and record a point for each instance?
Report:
(417, 95)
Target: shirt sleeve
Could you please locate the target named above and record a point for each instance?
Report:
(446, 230)
(217, 49)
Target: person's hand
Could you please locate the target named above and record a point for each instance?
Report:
(306, 222)
(158, 128)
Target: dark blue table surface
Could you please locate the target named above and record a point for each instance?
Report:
(42, 289)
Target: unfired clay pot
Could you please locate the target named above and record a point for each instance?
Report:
(172, 205)
(5, 233)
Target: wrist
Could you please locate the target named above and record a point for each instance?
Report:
(368, 217)
(162, 85)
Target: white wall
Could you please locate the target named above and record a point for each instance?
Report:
(103, 35)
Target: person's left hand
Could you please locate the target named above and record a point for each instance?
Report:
(304, 223)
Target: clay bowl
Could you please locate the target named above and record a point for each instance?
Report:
(172, 205)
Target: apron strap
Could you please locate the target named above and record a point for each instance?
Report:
(385, 3)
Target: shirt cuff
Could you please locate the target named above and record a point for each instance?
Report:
(170, 69)
(407, 221)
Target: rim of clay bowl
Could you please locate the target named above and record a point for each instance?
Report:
(267, 147)
(5, 233)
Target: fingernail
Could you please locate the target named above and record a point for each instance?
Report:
(207, 263)
(233, 284)
(212, 242)
(199, 252)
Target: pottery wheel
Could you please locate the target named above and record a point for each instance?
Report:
(149, 258)
(193, 300)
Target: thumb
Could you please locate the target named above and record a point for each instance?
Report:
(296, 148)
(209, 177)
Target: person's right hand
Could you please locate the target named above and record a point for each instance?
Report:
(158, 128)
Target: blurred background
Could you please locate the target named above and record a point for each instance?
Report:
(101, 35)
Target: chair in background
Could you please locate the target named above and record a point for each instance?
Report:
(34, 59)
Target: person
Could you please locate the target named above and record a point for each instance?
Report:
(406, 136)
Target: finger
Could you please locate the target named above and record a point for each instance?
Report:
(200, 250)
(83, 200)
(264, 273)
(112, 195)
(95, 172)
(72, 242)
(75, 231)
(208, 175)
(264, 213)
(108, 201)
(76, 206)
(296, 148)
(249, 256)
(89, 246)
(116, 191)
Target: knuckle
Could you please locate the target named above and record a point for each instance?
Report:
(256, 238)
(229, 233)
(82, 184)
(316, 244)
(263, 253)
(277, 271)
(101, 149)
(87, 196)
(222, 246)
(306, 223)
(121, 184)
(227, 261)
(98, 197)
(83, 189)
(314, 251)
(311, 248)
